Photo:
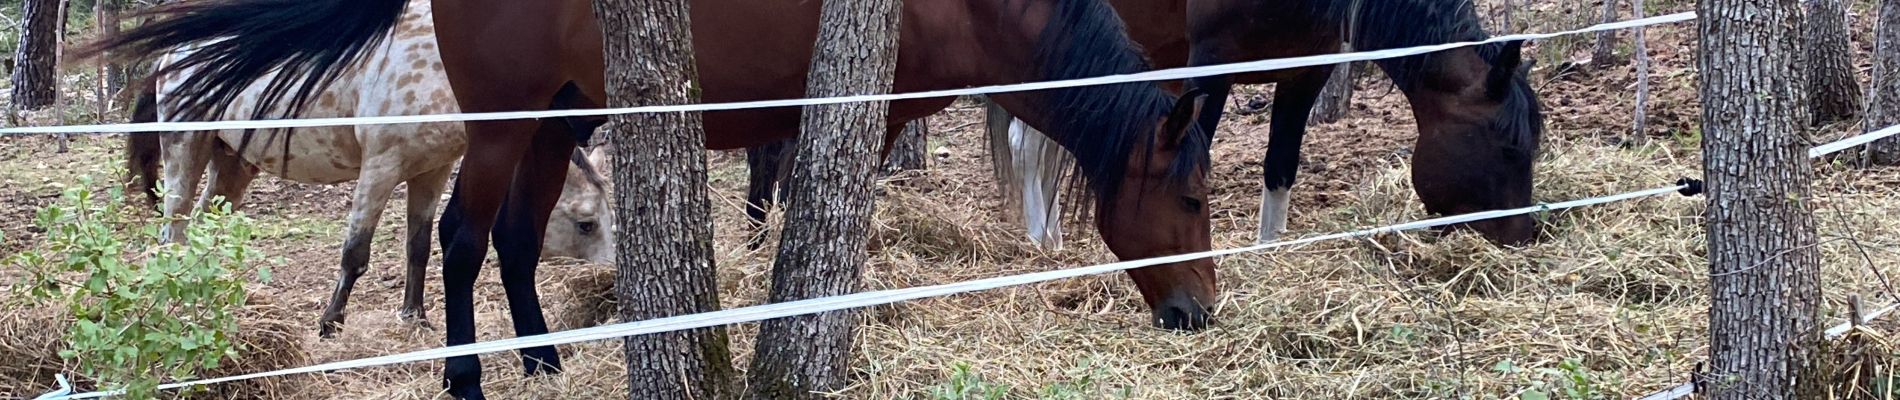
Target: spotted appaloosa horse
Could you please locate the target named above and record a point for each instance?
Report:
(1136, 146)
(1479, 120)
(404, 76)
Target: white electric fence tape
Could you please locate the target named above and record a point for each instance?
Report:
(1157, 75)
(865, 299)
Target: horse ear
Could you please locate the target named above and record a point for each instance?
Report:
(1187, 110)
(1504, 69)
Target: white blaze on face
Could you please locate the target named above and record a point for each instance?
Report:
(581, 225)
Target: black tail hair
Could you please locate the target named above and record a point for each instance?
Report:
(240, 41)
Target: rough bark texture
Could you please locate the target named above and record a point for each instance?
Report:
(908, 153)
(1639, 129)
(1605, 52)
(665, 251)
(1336, 97)
(828, 203)
(1883, 108)
(1833, 91)
(1509, 8)
(36, 60)
(111, 74)
(1763, 264)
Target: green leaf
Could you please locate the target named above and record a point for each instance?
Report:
(1533, 394)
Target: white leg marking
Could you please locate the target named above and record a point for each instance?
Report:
(1273, 214)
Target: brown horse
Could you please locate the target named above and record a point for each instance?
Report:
(1137, 151)
(1479, 121)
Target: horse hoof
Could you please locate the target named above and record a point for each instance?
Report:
(415, 316)
(329, 328)
(541, 361)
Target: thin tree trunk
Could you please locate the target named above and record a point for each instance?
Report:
(1833, 92)
(1883, 108)
(828, 202)
(665, 254)
(908, 153)
(1336, 97)
(1764, 268)
(59, 98)
(35, 62)
(1639, 130)
(1509, 8)
(1605, 54)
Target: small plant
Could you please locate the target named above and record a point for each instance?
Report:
(143, 311)
(965, 384)
(1569, 380)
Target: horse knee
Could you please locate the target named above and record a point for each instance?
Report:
(356, 255)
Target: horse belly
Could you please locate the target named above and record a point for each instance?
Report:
(314, 155)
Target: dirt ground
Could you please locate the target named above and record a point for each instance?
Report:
(1612, 305)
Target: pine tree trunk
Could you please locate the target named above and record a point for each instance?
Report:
(1336, 97)
(908, 153)
(828, 203)
(35, 62)
(1833, 91)
(1605, 53)
(1764, 267)
(665, 262)
(1883, 109)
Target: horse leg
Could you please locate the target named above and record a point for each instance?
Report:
(518, 237)
(373, 188)
(424, 191)
(494, 148)
(1292, 104)
(763, 163)
(186, 155)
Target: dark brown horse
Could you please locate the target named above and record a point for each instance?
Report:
(1138, 152)
(1479, 121)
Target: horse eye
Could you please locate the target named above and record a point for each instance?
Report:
(1192, 204)
(586, 227)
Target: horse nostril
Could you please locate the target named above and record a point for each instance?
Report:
(1180, 312)
(586, 227)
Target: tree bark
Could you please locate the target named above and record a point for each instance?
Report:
(665, 253)
(1833, 92)
(1605, 53)
(35, 64)
(909, 152)
(1883, 108)
(829, 202)
(1509, 8)
(106, 12)
(1336, 97)
(1764, 268)
(1639, 130)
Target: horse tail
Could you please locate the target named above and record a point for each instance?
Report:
(237, 42)
(142, 149)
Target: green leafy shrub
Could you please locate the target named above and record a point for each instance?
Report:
(144, 312)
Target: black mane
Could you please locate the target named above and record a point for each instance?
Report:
(1389, 24)
(1103, 125)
